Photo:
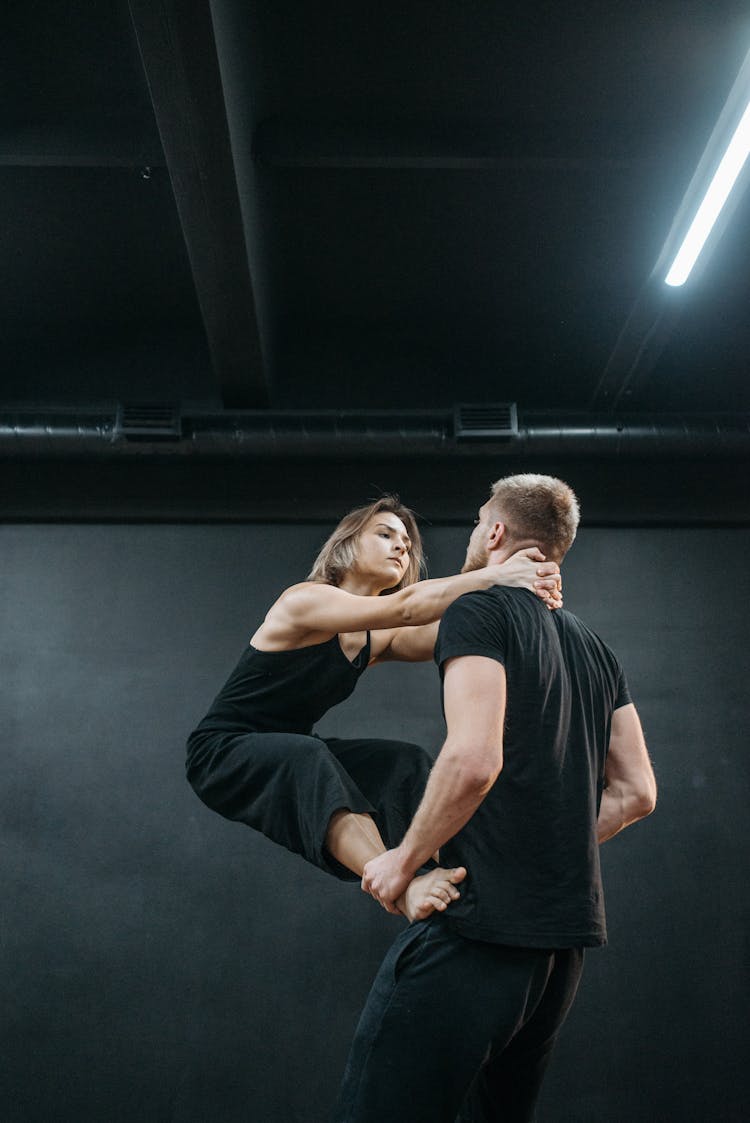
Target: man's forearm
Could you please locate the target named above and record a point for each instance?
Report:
(630, 784)
(621, 806)
(468, 765)
(455, 789)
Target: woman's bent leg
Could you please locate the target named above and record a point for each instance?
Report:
(287, 786)
(353, 840)
(298, 793)
(391, 775)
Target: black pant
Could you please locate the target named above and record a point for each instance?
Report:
(456, 1029)
(288, 785)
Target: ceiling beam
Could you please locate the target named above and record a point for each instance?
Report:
(54, 148)
(177, 46)
(281, 143)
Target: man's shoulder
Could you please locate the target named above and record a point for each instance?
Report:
(498, 603)
(574, 623)
(583, 635)
(480, 603)
(477, 621)
(495, 596)
(525, 613)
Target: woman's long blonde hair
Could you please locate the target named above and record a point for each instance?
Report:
(340, 550)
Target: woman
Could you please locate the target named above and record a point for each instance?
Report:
(254, 758)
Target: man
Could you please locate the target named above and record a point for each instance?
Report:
(544, 758)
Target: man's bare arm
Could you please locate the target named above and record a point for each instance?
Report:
(468, 765)
(629, 781)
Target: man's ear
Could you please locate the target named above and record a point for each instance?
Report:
(497, 533)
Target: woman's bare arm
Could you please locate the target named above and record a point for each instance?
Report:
(406, 645)
(314, 607)
(415, 645)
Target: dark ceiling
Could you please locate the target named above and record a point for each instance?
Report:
(242, 205)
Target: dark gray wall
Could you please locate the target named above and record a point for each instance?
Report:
(162, 964)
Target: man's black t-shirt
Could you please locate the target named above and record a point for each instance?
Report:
(530, 848)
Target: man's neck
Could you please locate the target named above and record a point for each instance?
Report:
(503, 552)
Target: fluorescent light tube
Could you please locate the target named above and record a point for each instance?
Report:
(722, 183)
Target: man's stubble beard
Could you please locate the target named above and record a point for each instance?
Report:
(475, 559)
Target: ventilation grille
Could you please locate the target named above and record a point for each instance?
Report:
(497, 421)
(149, 421)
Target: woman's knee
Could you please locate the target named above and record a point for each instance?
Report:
(408, 758)
(420, 759)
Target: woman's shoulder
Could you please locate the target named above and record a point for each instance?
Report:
(306, 588)
(298, 597)
(286, 624)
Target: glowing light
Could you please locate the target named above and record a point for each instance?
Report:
(732, 163)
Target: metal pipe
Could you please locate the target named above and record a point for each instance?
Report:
(362, 434)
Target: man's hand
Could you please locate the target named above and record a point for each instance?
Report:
(386, 877)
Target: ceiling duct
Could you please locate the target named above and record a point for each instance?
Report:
(162, 431)
(148, 422)
(498, 421)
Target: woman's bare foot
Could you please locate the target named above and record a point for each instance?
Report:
(431, 892)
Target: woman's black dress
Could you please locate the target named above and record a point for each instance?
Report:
(254, 757)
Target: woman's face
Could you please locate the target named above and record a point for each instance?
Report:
(383, 550)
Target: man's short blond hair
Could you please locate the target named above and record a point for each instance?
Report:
(339, 553)
(540, 508)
